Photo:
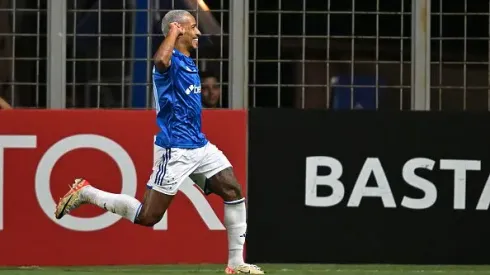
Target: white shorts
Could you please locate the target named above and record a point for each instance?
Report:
(173, 165)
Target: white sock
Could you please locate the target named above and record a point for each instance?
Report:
(120, 204)
(236, 226)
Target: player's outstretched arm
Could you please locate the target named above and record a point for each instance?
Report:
(163, 56)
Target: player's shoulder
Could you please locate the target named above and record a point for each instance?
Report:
(178, 56)
(180, 62)
(185, 62)
(174, 66)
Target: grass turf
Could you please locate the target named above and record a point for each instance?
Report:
(286, 269)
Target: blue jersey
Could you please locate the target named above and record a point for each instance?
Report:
(177, 93)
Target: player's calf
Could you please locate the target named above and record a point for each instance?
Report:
(226, 186)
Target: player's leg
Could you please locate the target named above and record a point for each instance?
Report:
(147, 213)
(223, 183)
(82, 192)
(153, 207)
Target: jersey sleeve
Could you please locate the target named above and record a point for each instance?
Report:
(171, 71)
(174, 65)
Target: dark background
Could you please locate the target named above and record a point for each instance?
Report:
(370, 233)
(267, 78)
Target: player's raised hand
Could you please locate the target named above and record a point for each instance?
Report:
(176, 27)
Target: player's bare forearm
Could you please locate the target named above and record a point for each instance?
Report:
(162, 57)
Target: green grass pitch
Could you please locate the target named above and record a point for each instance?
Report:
(286, 269)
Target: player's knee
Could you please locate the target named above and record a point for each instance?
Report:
(232, 192)
(146, 218)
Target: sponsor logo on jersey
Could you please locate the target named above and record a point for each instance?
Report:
(193, 89)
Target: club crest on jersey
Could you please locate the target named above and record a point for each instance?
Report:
(193, 89)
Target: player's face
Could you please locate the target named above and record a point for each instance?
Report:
(192, 33)
(210, 92)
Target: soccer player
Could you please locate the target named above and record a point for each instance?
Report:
(181, 147)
